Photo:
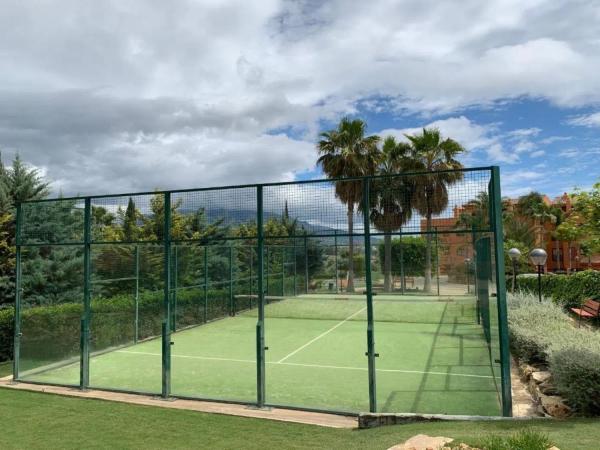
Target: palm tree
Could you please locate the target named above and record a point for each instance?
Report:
(391, 197)
(347, 152)
(430, 153)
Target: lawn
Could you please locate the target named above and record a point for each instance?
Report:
(34, 420)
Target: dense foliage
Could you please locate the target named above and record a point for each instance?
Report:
(408, 254)
(567, 290)
(542, 333)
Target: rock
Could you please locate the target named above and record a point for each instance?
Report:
(422, 442)
(553, 448)
(526, 371)
(541, 377)
(555, 406)
(547, 388)
(533, 390)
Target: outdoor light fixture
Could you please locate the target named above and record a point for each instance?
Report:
(538, 257)
(467, 263)
(514, 254)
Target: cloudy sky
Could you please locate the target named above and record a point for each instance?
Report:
(110, 96)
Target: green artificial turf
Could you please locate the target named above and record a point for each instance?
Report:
(434, 361)
(39, 421)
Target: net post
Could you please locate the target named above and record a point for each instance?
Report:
(501, 291)
(437, 261)
(18, 290)
(174, 276)
(205, 283)
(267, 268)
(295, 266)
(231, 305)
(335, 244)
(369, 291)
(166, 334)
(251, 281)
(260, 330)
(402, 276)
(137, 294)
(283, 271)
(305, 262)
(84, 372)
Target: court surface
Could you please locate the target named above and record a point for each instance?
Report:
(433, 357)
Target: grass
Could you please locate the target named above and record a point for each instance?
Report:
(437, 361)
(35, 420)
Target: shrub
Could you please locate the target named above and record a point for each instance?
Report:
(533, 326)
(542, 333)
(521, 440)
(576, 373)
(566, 290)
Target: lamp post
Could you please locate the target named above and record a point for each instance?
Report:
(538, 257)
(514, 255)
(467, 264)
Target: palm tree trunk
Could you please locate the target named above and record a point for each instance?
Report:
(570, 264)
(427, 284)
(558, 256)
(387, 263)
(350, 285)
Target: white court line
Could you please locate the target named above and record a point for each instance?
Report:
(318, 366)
(321, 335)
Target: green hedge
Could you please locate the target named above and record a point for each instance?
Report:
(52, 332)
(566, 290)
(542, 333)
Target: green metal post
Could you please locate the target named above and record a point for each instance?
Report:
(136, 335)
(369, 291)
(305, 262)
(175, 276)
(251, 281)
(267, 268)
(18, 291)
(437, 261)
(205, 283)
(335, 244)
(166, 327)
(84, 380)
(402, 276)
(295, 267)
(231, 301)
(283, 271)
(501, 293)
(260, 325)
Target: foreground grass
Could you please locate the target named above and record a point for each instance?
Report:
(34, 420)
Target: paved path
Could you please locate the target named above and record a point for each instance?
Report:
(283, 415)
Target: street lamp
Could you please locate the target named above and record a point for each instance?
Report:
(514, 254)
(467, 263)
(538, 257)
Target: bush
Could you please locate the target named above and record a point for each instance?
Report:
(566, 290)
(576, 373)
(52, 331)
(522, 440)
(542, 333)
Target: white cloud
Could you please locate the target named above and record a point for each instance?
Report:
(586, 120)
(191, 92)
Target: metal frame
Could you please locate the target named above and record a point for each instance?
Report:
(170, 299)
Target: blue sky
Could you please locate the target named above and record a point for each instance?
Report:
(131, 96)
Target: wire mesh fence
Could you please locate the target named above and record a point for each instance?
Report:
(374, 293)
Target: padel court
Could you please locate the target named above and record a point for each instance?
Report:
(276, 294)
(433, 357)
